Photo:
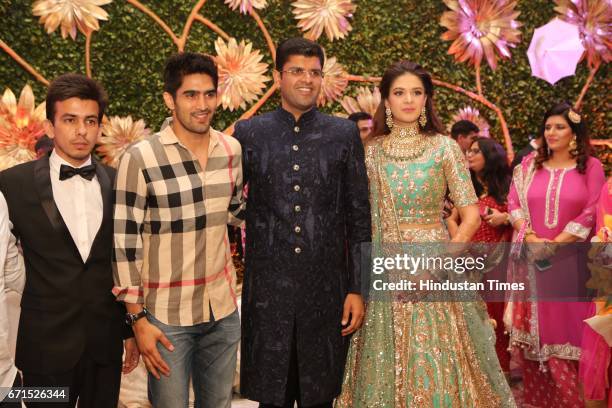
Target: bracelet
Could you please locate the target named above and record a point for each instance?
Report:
(528, 232)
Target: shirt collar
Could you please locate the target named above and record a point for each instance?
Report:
(56, 161)
(288, 117)
(168, 137)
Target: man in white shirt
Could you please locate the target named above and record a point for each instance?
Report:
(71, 328)
(11, 279)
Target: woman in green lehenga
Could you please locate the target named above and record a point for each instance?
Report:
(419, 351)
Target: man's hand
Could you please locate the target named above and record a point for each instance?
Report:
(353, 310)
(147, 336)
(131, 355)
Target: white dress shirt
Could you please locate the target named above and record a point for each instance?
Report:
(12, 277)
(79, 202)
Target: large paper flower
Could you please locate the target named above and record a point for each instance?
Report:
(21, 125)
(70, 15)
(594, 20)
(241, 73)
(481, 28)
(367, 101)
(118, 134)
(473, 115)
(246, 6)
(330, 15)
(335, 82)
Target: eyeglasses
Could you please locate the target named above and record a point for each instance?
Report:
(472, 152)
(301, 72)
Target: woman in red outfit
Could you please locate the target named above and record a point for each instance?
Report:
(491, 177)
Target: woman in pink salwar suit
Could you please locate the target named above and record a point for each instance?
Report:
(553, 199)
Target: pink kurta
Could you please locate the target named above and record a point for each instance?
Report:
(560, 200)
(554, 201)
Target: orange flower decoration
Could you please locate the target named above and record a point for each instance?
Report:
(21, 125)
(367, 101)
(331, 16)
(334, 83)
(241, 73)
(70, 15)
(118, 134)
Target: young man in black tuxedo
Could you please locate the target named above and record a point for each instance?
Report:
(71, 329)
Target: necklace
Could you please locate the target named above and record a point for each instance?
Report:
(405, 142)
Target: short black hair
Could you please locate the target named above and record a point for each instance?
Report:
(186, 63)
(297, 46)
(463, 127)
(357, 116)
(68, 86)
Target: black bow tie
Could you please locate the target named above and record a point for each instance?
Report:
(87, 172)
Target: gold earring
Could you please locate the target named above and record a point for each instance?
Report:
(573, 146)
(389, 118)
(423, 117)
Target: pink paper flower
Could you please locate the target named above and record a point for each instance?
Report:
(473, 115)
(481, 28)
(594, 21)
(245, 6)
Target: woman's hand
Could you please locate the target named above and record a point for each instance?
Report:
(495, 218)
(539, 248)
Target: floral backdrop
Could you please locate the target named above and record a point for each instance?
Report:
(475, 49)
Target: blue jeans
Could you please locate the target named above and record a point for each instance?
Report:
(205, 352)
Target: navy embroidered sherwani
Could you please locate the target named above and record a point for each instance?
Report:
(307, 214)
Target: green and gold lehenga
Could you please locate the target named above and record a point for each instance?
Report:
(423, 353)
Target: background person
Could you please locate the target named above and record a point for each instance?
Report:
(552, 199)
(364, 123)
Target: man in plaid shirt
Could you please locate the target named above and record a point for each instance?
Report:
(175, 194)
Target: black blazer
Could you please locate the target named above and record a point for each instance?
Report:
(67, 307)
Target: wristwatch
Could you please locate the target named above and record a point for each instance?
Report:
(131, 318)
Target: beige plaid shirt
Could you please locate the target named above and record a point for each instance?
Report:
(172, 252)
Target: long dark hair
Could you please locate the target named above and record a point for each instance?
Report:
(496, 173)
(583, 145)
(397, 69)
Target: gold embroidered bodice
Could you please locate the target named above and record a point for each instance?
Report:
(418, 181)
